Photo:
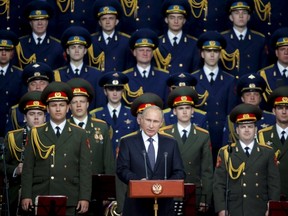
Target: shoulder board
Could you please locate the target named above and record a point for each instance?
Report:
(200, 111)
(92, 67)
(98, 120)
(127, 107)
(130, 134)
(61, 68)
(265, 68)
(95, 34)
(267, 112)
(25, 36)
(226, 146)
(55, 39)
(161, 36)
(160, 69)
(257, 33)
(226, 73)
(18, 68)
(168, 127)
(265, 146)
(191, 37)
(57, 76)
(201, 129)
(167, 110)
(128, 70)
(41, 125)
(96, 110)
(166, 134)
(225, 32)
(124, 34)
(265, 129)
(195, 72)
(15, 131)
(15, 106)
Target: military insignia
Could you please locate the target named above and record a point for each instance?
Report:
(76, 38)
(285, 99)
(212, 43)
(128, 121)
(115, 75)
(88, 143)
(98, 135)
(269, 143)
(251, 76)
(157, 188)
(77, 90)
(182, 75)
(36, 103)
(182, 84)
(219, 162)
(38, 12)
(264, 125)
(115, 82)
(36, 65)
(252, 85)
(36, 74)
(144, 40)
(58, 94)
(4, 42)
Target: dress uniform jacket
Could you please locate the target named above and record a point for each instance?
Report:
(252, 51)
(197, 159)
(49, 51)
(91, 74)
(219, 103)
(269, 136)
(198, 118)
(184, 56)
(126, 123)
(118, 56)
(10, 93)
(155, 82)
(257, 184)
(131, 166)
(100, 146)
(67, 173)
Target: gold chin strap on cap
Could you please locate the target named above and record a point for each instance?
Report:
(161, 62)
(130, 5)
(99, 61)
(202, 5)
(263, 10)
(68, 3)
(128, 93)
(234, 58)
(22, 59)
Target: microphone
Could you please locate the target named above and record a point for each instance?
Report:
(145, 163)
(165, 161)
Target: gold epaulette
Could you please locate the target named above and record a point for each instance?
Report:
(166, 134)
(18, 68)
(225, 32)
(200, 111)
(55, 39)
(167, 110)
(265, 145)
(130, 134)
(270, 113)
(12, 144)
(127, 107)
(258, 33)
(57, 76)
(226, 146)
(98, 120)
(95, 110)
(15, 106)
(228, 74)
(128, 71)
(124, 34)
(168, 127)
(266, 129)
(201, 129)
(267, 67)
(161, 61)
(96, 60)
(191, 37)
(95, 34)
(195, 72)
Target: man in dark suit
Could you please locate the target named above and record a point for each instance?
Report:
(57, 156)
(250, 167)
(131, 162)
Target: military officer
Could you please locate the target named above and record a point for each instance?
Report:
(35, 77)
(57, 153)
(250, 88)
(217, 83)
(176, 80)
(34, 112)
(39, 45)
(76, 40)
(144, 77)
(253, 175)
(10, 77)
(110, 44)
(249, 43)
(194, 144)
(180, 46)
(276, 135)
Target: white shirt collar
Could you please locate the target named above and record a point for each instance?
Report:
(84, 121)
(62, 125)
(4, 68)
(171, 36)
(141, 69)
(110, 108)
(207, 72)
(74, 67)
(35, 37)
(279, 131)
(281, 68)
(180, 129)
(251, 145)
(240, 33)
(105, 35)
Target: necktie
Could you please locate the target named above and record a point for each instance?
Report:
(247, 151)
(211, 80)
(39, 41)
(108, 40)
(77, 71)
(284, 73)
(151, 153)
(57, 131)
(283, 137)
(175, 41)
(114, 116)
(184, 136)
(80, 124)
(1, 72)
(241, 37)
(144, 74)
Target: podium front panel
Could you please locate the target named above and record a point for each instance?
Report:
(278, 208)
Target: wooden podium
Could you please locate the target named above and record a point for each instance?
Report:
(278, 208)
(156, 189)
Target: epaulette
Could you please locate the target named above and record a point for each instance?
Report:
(127, 107)
(161, 70)
(166, 134)
(15, 106)
(41, 125)
(57, 76)
(226, 146)
(98, 120)
(265, 111)
(55, 39)
(128, 70)
(130, 134)
(265, 146)
(201, 129)
(18, 68)
(25, 36)
(268, 67)
(226, 73)
(258, 33)
(195, 72)
(14, 131)
(96, 110)
(191, 37)
(124, 34)
(95, 34)
(168, 127)
(265, 129)
(61, 68)
(200, 111)
(167, 110)
(225, 32)
(161, 36)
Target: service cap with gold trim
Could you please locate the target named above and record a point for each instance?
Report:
(251, 83)
(76, 35)
(176, 7)
(38, 10)
(279, 38)
(181, 79)
(81, 87)
(145, 100)
(245, 113)
(279, 96)
(101, 8)
(233, 5)
(57, 91)
(8, 39)
(211, 40)
(143, 38)
(113, 78)
(182, 96)
(31, 101)
(37, 71)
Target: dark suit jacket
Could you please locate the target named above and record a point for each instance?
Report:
(131, 166)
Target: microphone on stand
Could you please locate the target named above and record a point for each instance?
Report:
(165, 161)
(145, 163)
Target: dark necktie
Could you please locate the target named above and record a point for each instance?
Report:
(247, 151)
(151, 153)
(77, 71)
(284, 73)
(108, 40)
(211, 80)
(57, 131)
(283, 137)
(144, 74)
(114, 116)
(39, 41)
(1, 73)
(241, 37)
(184, 136)
(80, 124)
(175, 41)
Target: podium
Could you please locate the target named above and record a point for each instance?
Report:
(278, 208)
(189, 199)
(156, 189)
(48, 205)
